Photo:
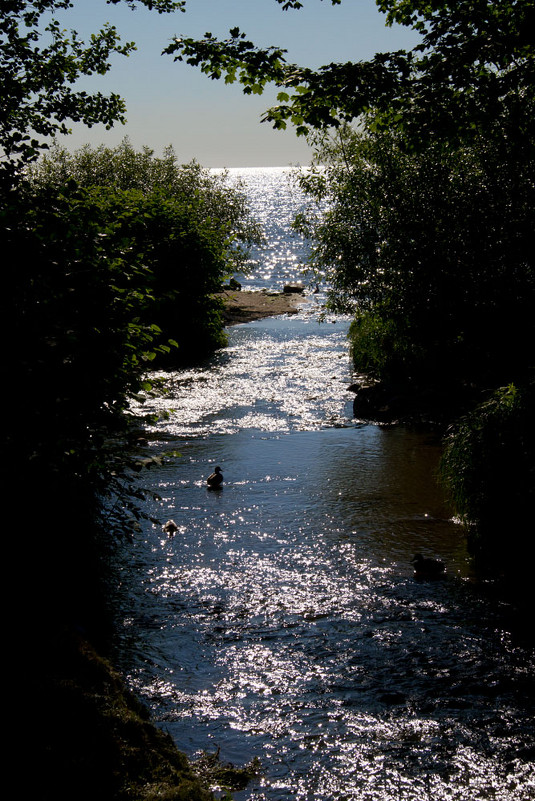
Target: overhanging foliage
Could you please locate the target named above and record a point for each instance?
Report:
(40, 63)
(475, 63)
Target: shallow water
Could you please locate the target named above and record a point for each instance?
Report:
(283, 621)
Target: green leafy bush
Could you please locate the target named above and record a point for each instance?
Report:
(192, 229)
(488, 469)
(431, 250)
(80, 346)
(380, 347)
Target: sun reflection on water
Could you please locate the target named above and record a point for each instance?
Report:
(282, 620)
(348, 678)
(258, 385)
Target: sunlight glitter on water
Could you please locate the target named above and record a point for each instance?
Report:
(275, 200)
(283, 620)
(289, 638)
(338, 670)
(257, 382)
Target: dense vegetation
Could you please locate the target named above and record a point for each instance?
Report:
(432, 252)
(428, 241)
(489, 468)
(187, 226)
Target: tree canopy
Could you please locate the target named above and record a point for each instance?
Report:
(475, 62)
(40, 63)
(39, 66)
(429, 250)
(473, 67)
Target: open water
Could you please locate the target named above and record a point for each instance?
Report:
(282, 621)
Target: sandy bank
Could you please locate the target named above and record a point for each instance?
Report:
(243, 307)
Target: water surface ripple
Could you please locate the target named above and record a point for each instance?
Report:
(283, 621)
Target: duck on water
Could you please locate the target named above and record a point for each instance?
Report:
(426, 567)
(170, 528)
(215, 479)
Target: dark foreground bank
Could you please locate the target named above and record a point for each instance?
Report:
(97, 740)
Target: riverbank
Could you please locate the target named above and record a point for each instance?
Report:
(241, 306)
(98, 740)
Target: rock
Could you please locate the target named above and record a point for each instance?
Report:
(383, 402)
(374, 402)
(293, 288)
(386, 403)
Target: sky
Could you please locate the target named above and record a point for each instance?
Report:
(172, 103)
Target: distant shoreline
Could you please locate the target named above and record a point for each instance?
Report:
(245, 306)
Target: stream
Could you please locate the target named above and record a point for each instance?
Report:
(283, 621)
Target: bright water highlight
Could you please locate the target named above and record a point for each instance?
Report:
(282, 621)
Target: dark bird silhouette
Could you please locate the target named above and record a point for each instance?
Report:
(427, 568)
(215, 480)
(170, 527)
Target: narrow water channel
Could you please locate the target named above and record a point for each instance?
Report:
(282, 621)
